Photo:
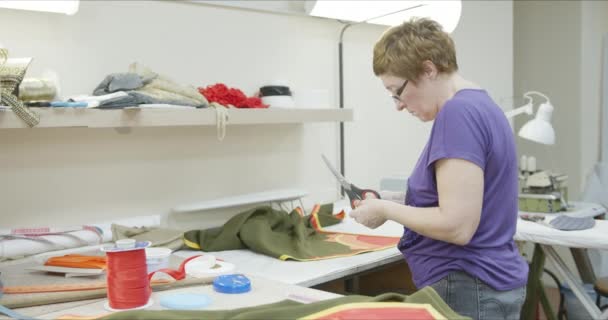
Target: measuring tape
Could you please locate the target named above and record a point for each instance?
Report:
(68, 287)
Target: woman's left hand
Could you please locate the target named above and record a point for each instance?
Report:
(369, 212)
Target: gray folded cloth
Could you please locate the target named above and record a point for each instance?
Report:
(567, 223)
(119, 82)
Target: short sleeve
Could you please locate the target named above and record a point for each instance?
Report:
(458, 132)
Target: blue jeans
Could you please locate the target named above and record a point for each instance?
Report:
(473, 298)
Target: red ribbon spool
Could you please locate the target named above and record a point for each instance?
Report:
(128, 284)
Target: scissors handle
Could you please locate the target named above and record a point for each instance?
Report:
(356, 193)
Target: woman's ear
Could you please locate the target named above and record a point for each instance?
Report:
(429, 68)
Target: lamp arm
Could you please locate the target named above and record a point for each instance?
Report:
(527, 95)
(528, 107)
(523, 109)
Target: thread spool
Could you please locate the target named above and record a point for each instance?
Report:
(532, 164)
(3, 55)
(523, 163)
(127, 277)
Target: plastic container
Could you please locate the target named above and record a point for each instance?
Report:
(157, 258)
(277, 96)
(279, 101)
(275, 90)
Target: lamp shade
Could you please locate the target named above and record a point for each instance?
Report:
(391, 13)
(540, 129)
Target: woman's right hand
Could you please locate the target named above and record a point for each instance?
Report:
(369, 212)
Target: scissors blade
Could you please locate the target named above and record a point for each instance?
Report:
(345, 184)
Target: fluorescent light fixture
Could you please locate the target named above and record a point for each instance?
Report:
(68, 7)
(390, 13)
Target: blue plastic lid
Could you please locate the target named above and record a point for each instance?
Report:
(185, 301)
(232, 283)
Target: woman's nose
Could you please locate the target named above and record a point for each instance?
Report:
(400, 105)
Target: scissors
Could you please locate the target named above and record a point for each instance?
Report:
(351, 190)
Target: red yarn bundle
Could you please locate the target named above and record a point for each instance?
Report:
(225, 96)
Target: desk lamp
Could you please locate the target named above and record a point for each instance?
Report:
(389, 13)
(538, 129)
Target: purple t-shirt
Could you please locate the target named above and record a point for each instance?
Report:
(472, 127)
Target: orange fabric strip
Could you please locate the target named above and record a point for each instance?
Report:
(77, 261)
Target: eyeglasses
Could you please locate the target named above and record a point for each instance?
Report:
(397, 96)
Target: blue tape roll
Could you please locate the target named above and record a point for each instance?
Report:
(232, 283)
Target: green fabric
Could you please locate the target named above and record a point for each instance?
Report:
(274, 233)
(288, 309)
(325, 216)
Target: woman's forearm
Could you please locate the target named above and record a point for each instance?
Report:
(430, 222)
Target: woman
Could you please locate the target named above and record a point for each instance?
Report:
(460, 210)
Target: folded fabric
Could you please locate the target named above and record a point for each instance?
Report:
(283, 235)
(567, 223)
(77, 261)
(144, 86)
(15, 248)
(423, 304)
(119, 82)
(159, 237)
(95, 101)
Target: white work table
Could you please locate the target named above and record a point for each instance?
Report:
(547, 238)
(263, 291)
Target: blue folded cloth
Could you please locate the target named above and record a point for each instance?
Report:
(66, 104)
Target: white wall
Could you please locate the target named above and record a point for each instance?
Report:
(548, 59)
(594, 21)
(66, 176)
(558, 51)
(70, 176)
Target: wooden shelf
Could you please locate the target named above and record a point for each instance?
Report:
(97, 118)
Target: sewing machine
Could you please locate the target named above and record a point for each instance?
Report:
(543, 191)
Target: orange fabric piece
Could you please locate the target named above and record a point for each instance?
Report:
(377, 310)
(77, 261)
